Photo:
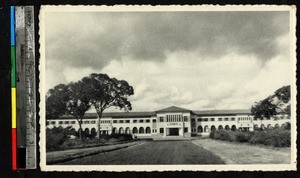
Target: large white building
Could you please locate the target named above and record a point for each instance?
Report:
(169, 122)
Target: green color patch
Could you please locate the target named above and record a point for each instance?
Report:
(13, 66)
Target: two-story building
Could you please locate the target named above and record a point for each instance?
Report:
(169, 122)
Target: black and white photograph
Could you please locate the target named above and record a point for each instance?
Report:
(167, 88)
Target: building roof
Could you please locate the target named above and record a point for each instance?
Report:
(128, 114)
(222, 112)
(174, 109)
(168, 109)
(114, 115)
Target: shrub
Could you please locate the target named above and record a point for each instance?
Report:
(121, 137)
(212, 134)
(287, 126)
(278, 138)
(274, 137)
(242, 136)
(56, 137)
(258, 137)
(222, 135)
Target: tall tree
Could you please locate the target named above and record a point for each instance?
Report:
(68, 99)
(282, 98)
(78, 103)
(105, 92)
(283, 94)
(278, 103)
(56, 100)
(264, 109)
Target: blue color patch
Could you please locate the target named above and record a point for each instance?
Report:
(12, 26)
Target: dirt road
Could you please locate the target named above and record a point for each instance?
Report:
(241, 153)
(154, 152)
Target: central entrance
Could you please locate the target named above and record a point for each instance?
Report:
(173, 131)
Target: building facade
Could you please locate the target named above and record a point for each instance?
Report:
(169, 122)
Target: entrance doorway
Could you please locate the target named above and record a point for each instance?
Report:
(173, 131)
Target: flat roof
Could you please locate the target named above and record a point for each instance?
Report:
(222, 112)
(199, 113)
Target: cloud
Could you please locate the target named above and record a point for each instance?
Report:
(93, 39)
(232, 82)
(196, 60)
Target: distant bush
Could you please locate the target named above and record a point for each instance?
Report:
(121, 137)
(278, 138)
(212, 134)
(223, 135)
(243, 136)
(56, 137)
(259, 137)
(287, 126)
(275, 137)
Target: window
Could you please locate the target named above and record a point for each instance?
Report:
(127, 121)
(212, 119)
(66, 122)
(148, 120)
(121, 121)
(185, 118)
(93, 122)
(226, 119)
(115, 121)
(219, 119)
(52, 122)
(141, 121)
(186, 130)
(73, 122)
(232, 119)
(161, 130)
(199, 119)
(161, 119)
(47, 123)
(60, 122)
(205, 119)
(86, 122)
(154, 120)
(134, 121)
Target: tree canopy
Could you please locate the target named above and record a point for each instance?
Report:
(98, 90)
(278, 103)
(56, 100)
(105, 92)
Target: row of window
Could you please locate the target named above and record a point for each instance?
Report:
(134, 121)
(244, 118)
(169, 118)
(69, 122)
(174, 118)
(213, 119)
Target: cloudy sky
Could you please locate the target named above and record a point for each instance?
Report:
(195, 60)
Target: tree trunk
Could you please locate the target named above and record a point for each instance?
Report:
(99, 119)
(80, 129)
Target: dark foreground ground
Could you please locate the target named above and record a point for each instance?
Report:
(153, 152)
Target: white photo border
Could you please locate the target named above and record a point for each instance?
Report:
(124, 8)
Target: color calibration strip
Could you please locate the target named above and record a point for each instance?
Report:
(23, 94)
(13, 88)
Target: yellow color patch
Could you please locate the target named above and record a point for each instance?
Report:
(14, 108)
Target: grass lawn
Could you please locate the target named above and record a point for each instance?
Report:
(55, 157)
